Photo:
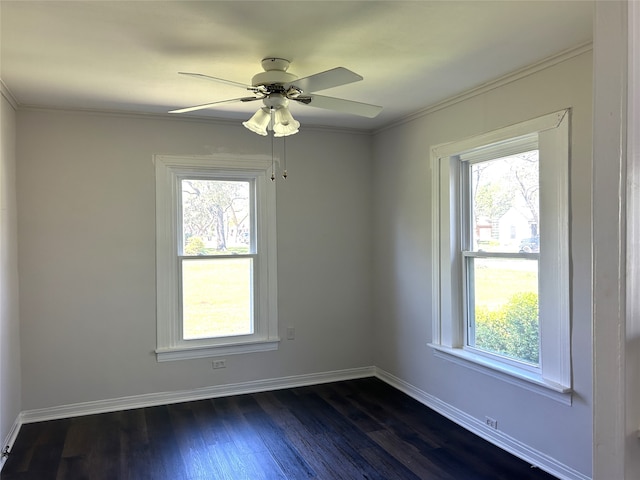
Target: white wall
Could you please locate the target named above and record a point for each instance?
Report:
(402, 250)
(616, 220)
(632, 348)
(609, 227)
(9, 323)
(86, 226)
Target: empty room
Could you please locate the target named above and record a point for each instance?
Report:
(320, 239)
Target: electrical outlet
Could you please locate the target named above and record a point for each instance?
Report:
(491, 422)
(219, 364)
(291, 333)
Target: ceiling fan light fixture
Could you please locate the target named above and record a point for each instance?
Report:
(284, 133)
(284, 123)
(259, 122)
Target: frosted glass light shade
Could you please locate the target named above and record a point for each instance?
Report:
(259, 122)
(285, 124)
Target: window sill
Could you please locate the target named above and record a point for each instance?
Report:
(523, 378)
(188, 352)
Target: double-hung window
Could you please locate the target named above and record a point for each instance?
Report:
(216, 279)
(501, 247)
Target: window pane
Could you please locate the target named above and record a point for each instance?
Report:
(216, 297)
(216, 217)
(503, 304)
(504, 204)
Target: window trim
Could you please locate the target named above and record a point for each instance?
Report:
(448, 334)
(169, 170)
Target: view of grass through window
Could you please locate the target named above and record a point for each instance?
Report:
(506, 308)
(502, 283)
(216, 298)
(217, 261)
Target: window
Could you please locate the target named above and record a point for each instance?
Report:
(500, 266)
(216, 291)
(501, 239)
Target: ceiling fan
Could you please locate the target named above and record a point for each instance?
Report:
(276, 88)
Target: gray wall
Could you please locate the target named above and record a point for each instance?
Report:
(86, 224)
(10, 377)
(402, 251)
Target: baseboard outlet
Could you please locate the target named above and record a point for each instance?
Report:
(505, 442)
(166, 398)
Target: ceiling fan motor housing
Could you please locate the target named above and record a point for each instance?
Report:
(275, 73)
(275, 101)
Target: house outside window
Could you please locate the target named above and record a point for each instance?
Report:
(216, 263)
(501, 249)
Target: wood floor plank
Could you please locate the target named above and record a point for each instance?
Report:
(190, 444)
(359, 429)
(73, 467)
(244, 466)
(410, 456)
(166, 461)
(104, 455)
(212, 430)
(249, 448)
(288, 458)
(134, 444)
(45, 451)
(347, 439)
(325, 460)
(393, 436)
(22, 451)
(420, 426)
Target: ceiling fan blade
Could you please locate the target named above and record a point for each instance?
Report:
(207, 105)
(216, 79)
(321, 81)
(340, 105)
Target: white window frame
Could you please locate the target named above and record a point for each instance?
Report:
(170, 170)
(494, 151)
(553, 377)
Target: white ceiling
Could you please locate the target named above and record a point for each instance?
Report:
(125, 55)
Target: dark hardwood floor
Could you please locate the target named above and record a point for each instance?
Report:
(359, 429)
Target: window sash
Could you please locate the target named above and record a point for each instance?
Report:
(487, 153)
(253, 255)
(469, 308)
(215, 176)
(250, 307)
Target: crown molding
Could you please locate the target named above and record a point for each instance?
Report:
(174, 118)
(6, 93)
(493, 84)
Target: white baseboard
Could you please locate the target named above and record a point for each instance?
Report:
(472, 424)
(11, 438)
(165, 398)
(505, 442)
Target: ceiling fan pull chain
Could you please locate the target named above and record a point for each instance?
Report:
(284, 157)
(273, 162)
